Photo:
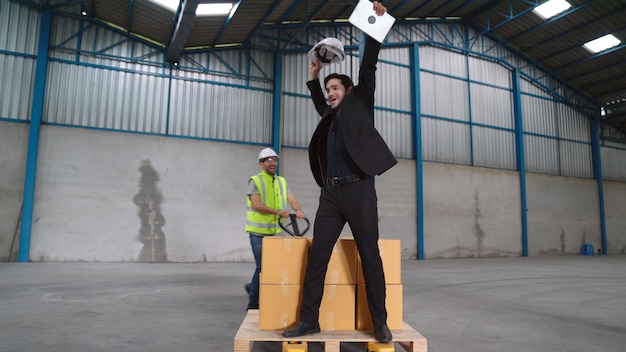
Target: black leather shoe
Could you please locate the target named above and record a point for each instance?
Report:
(252, 306)
(302, 329)
(382, 334)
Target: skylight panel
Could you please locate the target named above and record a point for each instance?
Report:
(216, 9)
(552, 8)
(170, 4)
(602, 43)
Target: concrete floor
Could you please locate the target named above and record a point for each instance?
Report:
(571, 303)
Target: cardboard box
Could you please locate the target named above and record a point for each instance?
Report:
(283, 260)
(393, 304)
(342, 264)
(279, 306)
(337, 310)
(391, 255)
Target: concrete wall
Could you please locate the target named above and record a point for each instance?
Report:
(615, 214)
(563, 213)
(98, 191)
(14, 147)
(471, 212)
(108, 196)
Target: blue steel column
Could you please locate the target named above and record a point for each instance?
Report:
(597, 173)
(519, 154)
(276, 104)
(417, 148)
(39, 91)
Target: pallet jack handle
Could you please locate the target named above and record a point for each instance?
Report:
(294, 225)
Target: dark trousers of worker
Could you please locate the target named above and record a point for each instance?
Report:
(355, 203)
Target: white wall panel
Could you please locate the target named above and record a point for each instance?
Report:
(445, 141)
(493, 148)
(19, 28)
(444, 61)
(444, 97)
(17, 76)
(573, 124)
(393, 81)
(613, 164)
(296, 73)
(538, 115)
(299, 120)
(489, 72)
(84, 96)
(527, 86)
(576, 159)
(219, 112)
(541, 155)
(492, 106)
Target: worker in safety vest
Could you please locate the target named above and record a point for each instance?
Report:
(268, 195)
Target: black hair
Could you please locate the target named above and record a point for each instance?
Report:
(345, 80)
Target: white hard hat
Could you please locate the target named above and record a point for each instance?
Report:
(266, 153)
(328, 50)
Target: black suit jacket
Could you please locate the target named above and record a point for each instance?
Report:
(355, 115)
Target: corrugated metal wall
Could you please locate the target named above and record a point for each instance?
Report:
(446, 141)
(105, 98)
(14, 19)
(99, 78)
(220, 112)
(393, 99)
(17, 60)
(468, 108)
(560, 140)
(613, 163)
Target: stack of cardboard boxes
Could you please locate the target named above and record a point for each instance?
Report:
(344, 304)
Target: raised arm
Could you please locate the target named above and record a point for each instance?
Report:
(315, 87)
(367, 71)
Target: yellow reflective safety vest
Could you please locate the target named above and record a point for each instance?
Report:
(273, 193)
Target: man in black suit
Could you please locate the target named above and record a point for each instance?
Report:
(345, 152)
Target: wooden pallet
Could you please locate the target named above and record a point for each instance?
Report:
(249, 333)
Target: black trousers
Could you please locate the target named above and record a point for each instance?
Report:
(356, 204)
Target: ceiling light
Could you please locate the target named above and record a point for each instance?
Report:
(170, 4)
(552, 8)
(214, 9)
(602, 43)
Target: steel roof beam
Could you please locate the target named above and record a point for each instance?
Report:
(184, 21)
(315, 13)
(129, 21)
(260, 23)
(227, 22)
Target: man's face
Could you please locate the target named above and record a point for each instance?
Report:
(336, 92)
(269, 165)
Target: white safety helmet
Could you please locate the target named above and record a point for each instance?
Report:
(266, 153)
(328, 50)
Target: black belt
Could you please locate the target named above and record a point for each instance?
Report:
(338, 181)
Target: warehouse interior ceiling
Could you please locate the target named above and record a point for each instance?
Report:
(555, 43)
